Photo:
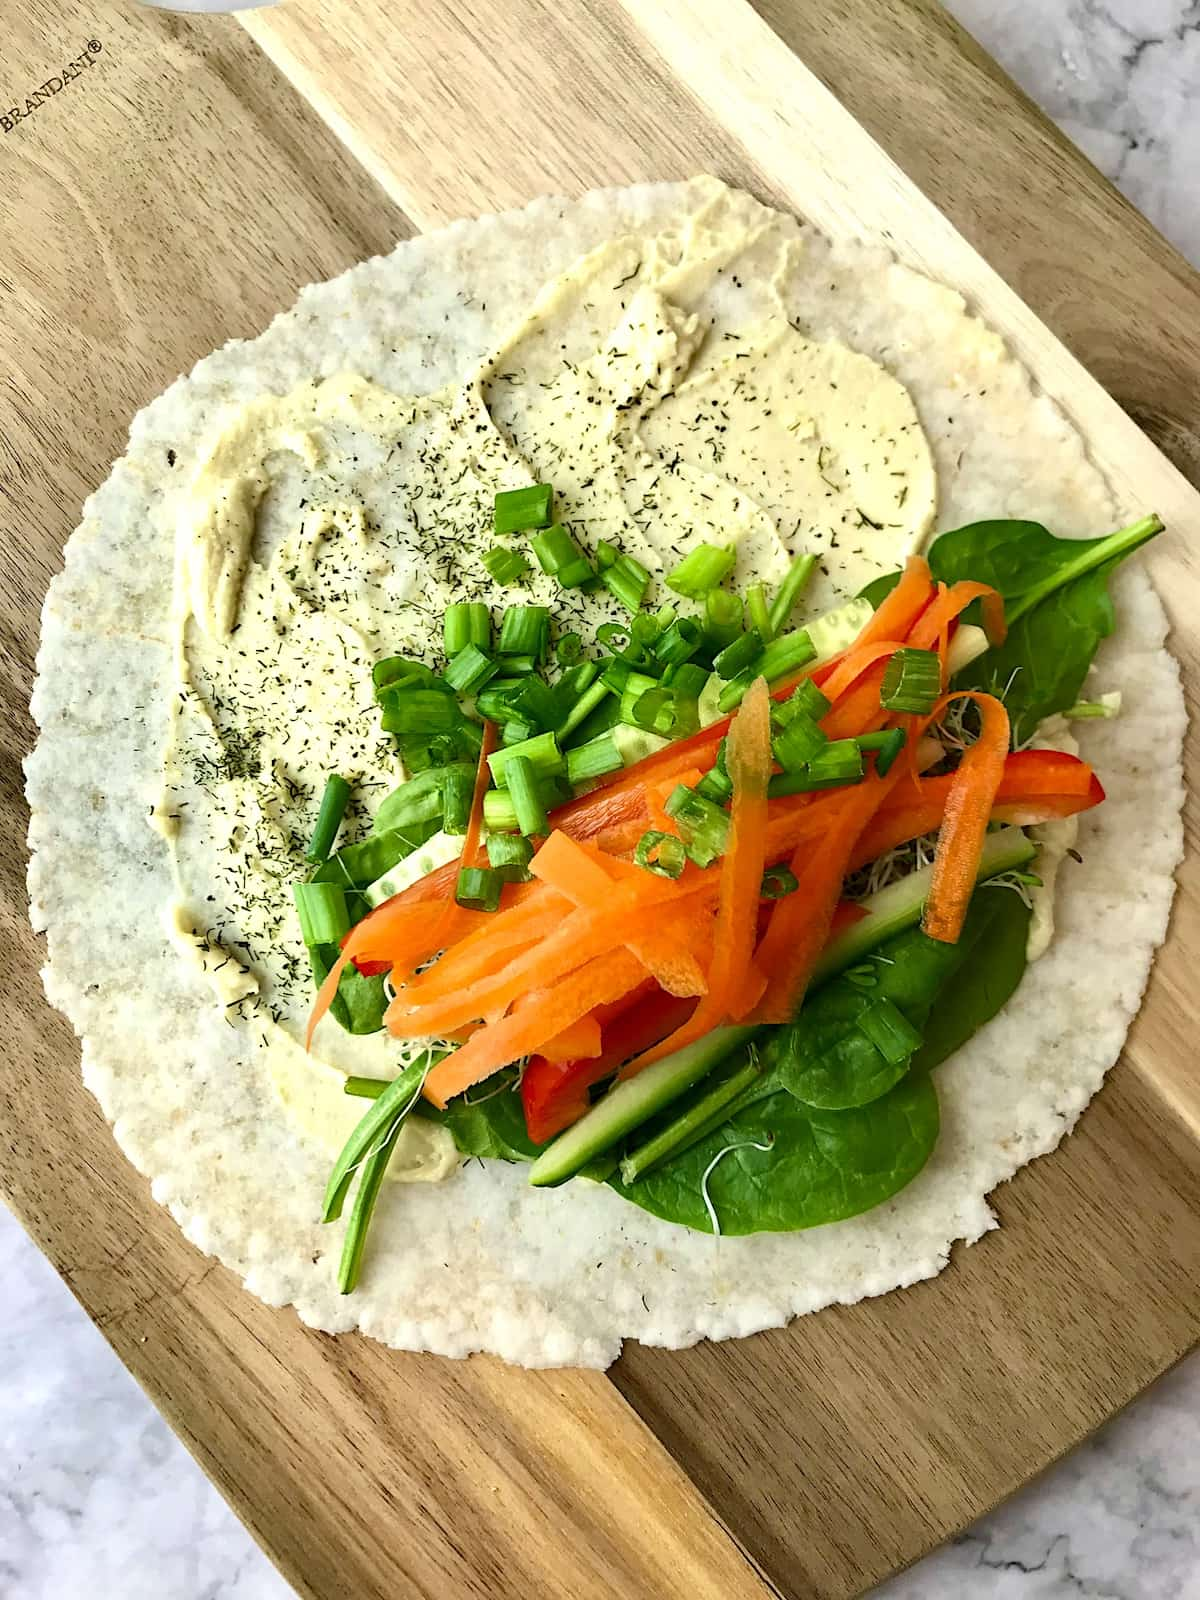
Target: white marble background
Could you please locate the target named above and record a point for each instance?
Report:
(98, 1501)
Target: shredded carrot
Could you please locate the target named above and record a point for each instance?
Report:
(486, 950)
(968, 810)
(731, 984)
(525, 1031)
(898, 611)
(948, 607)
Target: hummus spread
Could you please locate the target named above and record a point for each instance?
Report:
(326, 528)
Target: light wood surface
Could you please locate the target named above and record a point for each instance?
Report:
(177, 195)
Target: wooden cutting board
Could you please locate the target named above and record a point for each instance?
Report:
(175, 190)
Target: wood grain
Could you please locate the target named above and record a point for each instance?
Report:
(142, 245)
(179, 194)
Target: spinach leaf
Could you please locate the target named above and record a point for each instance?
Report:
(821, 1166)
(992, 964)
(1057, 603)
(359, 1003)
(487, 1120)
(824, 1058)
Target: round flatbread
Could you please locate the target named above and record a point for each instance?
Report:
(483, 1261)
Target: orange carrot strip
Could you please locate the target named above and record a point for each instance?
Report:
(487, 950)
(855, 662)
(948, 607)
(525, 1031)
(968, 811)
(748, 762)
(899, 610)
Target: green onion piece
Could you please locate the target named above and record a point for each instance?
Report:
(687, 679)
(628, 580)
(534, 701)
(887, 744)
(458, 788)
(798, 742)
(912, 681)
(615, 636)
(715, 786)
(499, 813)
(519, 666)
(517, 732)
(479, 889)
(583, 708)
(679, 642)
(701, 569)
(785, 655)
(524, 631)
(505, 566)
(541, 754)
(665, 712)
(889, 1030)
(399, 672)
(607, 554)
(760, 611)
(665, 616)
(365, 1088)
(466, 622)
(329, 818)
(705, 827)
(778, 882)
(636, 685)
(422, 711)
(509, 855)
(722, 617)
(559, 556)
(661, 853)
(518, 509)
(733, 693)
(527, 801)
(644, 629)
(736, 657)
(806, 698)
(470, 669)
(793, 586)
(569, 649)
(839, 763)
(322, 911)
(615, 675)
(593, 759)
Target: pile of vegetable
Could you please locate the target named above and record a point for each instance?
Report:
(652, 973)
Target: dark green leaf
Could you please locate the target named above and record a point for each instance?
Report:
(360, 1002)
(487, 1120)
(993, 961)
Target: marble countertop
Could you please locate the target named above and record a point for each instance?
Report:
(99, 1500)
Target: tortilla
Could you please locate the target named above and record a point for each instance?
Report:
(483, 1261)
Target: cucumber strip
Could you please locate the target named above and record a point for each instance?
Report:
(629, 1104)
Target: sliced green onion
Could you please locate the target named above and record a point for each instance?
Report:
(644, 629)
(583, 708)
(912, 681)
(742, 653)
(889, 1030)
(785, 655)
(806, 698)
(665, 712)
(569, 649)
(615, 675)
(722, 617)
(466, 622)
(470, 669)
(778, 882)
(559, 556)
(322, 911)
(687, 680)
(628, 580)
(517, 732)
(665, 616)
(732, 695)
(479, 889)
(505, 566)
(839, 763)
(887, 744)
(422, 711)
(541, 754)
(701, 569)
(400, 672)
(607, 554)
(705, 827)
(329, 818)
(760, 611)
(679, 642)
(458, 788)
(636, 685)
(524, 631)
(715, 786)
(365, 1088)
(593, 759)
(798, 742)
(419, 800)
(615, 636)
(519, 666)
(527, 801)
(662, 853)
(509, 855)
(518, 509)
(793, 586)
